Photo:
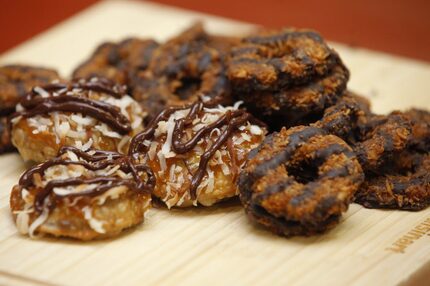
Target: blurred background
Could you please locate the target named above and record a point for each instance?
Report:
(395, 26)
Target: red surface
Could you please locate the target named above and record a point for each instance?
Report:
(22, 19)
(394, 26)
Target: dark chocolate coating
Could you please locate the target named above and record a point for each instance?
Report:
(118, 61)
(98, 161)
(300, 104)
(5, 143)
(231, 119)
(17, 80)
(299, 181)
(275, 60)
(185, 68)
(61, 98)
(405, 185)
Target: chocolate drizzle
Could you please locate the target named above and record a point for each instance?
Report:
(98, 161)
(232, 119)
(61, 98)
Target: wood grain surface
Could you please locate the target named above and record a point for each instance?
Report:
(217, 245)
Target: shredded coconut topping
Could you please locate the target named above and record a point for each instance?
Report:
(95, 224)
(175, 171)
(68, 128)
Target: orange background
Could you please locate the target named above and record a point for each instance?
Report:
(394, 26)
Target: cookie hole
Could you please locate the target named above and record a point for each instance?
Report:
(188, 87)
(303, 173)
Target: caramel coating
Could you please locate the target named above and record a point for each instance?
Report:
(347, 118)
(272, 60)
(386, 136)
(299, 181)
(118, 61)
(420, 120)
(297, 105)
(405, 185)
(185, 68)
(17, 80)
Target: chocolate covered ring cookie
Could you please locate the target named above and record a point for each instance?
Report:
(405, 184)
(273, 60)
(17, 80)
(385, 137)
(300, 104)
(185, 68)
(299, 181)
(118, 61)
(347, 118)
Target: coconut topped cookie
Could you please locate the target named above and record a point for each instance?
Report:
(95, 113)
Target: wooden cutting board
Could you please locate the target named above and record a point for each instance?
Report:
(218, 245)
